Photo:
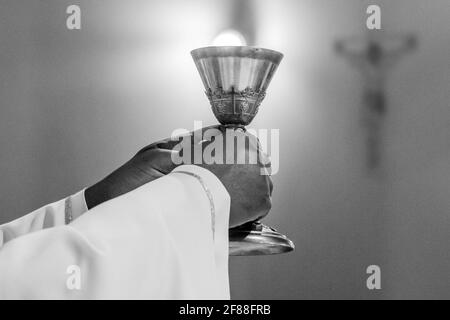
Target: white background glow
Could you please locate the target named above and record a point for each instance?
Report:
(229, 38)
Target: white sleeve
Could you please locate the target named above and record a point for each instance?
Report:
(51, 215)
(155, 242)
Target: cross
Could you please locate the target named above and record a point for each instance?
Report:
(374, 56)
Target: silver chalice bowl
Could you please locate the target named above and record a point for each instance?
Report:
(236, 79)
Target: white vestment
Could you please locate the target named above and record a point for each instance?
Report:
(160, 241)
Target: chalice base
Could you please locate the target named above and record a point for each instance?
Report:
(254, 239)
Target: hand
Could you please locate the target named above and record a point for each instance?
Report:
(147, 165)
(150, 163)
(247, 182)
(250, 191)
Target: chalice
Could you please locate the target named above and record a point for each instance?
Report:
(235, 80)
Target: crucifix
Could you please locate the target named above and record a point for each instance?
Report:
(374, 56)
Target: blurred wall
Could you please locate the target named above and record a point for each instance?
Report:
(74, 105)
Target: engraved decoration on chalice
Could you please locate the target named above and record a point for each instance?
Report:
(236, 79)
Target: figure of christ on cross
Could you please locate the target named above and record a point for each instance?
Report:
(374, 56)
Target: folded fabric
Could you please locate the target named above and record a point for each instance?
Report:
(160, 241)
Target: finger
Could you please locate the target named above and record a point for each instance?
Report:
(270, 183)
(168, 143)
(206, 134)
